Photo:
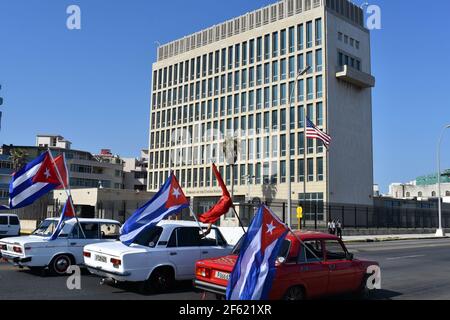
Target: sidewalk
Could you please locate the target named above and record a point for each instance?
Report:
(379, 238)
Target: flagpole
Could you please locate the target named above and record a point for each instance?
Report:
(66, 187)
(239, 219)
(196, 220)
(305, 163)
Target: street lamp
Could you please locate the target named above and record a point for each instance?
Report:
(440, 232)
(288, 144)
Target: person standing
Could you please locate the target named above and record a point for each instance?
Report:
(333, 227)
(330, 229)
(339, 229)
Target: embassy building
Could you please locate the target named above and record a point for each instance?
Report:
(255, 78)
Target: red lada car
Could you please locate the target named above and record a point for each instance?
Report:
(325, 268)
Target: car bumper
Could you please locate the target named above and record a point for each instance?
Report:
(210, 287)
(15, 260)
(120, 276)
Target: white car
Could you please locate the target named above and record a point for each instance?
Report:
(38, 253)
(9, 225)
(157, 258)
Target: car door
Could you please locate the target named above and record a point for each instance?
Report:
(342, 272)
(311, 268)
(212, 244)
(14, 226)
(77, 240)
(4, 222)
(184, 251)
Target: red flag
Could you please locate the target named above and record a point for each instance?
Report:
(47, 172)
(221, 207)
(60, 162)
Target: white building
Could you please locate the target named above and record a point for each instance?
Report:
(236, 78)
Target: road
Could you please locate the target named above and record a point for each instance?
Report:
(415, 270)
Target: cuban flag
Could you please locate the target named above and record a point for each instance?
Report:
(67, 213)
(168, 201)
(254, 270)
(36, 179)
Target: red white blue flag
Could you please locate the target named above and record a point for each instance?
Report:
(168, 201)
(67, 213)
(254, 270)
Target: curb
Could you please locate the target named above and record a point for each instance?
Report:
(390, 239)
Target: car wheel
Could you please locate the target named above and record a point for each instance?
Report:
(60, 264)
(295, 294)
(162, 280)
(363, 291)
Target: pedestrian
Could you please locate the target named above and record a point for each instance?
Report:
(330, 229)
(339, 229)
(333, 227)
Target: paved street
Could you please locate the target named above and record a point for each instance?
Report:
(416, 269)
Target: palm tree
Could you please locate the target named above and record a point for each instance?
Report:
(19, 158)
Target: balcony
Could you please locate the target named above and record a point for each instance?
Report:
(355, 77)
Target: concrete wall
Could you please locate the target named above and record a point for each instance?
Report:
(349, 119)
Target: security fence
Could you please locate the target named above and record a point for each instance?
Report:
(317, 214)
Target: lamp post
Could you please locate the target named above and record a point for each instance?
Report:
(288, 145)
(440, 232)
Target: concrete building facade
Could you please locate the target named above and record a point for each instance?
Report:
(239, 79)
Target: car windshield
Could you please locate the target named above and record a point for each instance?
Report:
(284, 249)
(46, 228)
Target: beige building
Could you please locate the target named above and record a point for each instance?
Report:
(235, 79)
(100, 203)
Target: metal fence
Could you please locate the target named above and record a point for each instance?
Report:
(316, 215)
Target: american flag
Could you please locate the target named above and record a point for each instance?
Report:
(312, 132)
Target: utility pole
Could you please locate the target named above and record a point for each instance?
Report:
(1, 103)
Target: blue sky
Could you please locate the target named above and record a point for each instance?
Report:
(93, 86)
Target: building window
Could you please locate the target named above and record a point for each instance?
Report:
(275, 71)
(309, 38)
(318, 32)
(420, 194)
(319, 89)
(275, 44)
(309, 89)
(319, 169)
(292, 67)
(301, 143)
(258, 49)
(252, 50)
(283, 42)
(300, 37)
(267, 46)
(433, 194)
(283, 171)
(301, 170)
(291, 39)
(319, 60)
(310, 170)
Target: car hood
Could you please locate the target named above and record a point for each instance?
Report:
(116, 248)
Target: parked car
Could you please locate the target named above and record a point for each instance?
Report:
(9, 225)
(325, 268)
(37, 252)
(158, 257)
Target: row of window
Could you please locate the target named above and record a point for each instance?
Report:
(262, 48)
(267, 73)
(267, 97)
(346, 59)
(348, 40)
(270, 147)
(259, 173)
(246, 125)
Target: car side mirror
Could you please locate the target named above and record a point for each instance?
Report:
(350, 256)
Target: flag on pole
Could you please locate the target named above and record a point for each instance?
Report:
(168, 201)
(254, 270)
(220, 208)
(67, 213)
(313, 132)
(33, 181)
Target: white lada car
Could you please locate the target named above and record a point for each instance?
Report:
(157, 258)
(38, 253)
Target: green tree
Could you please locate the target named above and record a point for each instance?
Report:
(19, 158)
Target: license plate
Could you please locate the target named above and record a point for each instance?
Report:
(222, 275)
(100, 258)
(10, 248)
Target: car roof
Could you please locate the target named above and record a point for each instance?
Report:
(181, 223)
(88, 220)
(311, 235)
(8, 215)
